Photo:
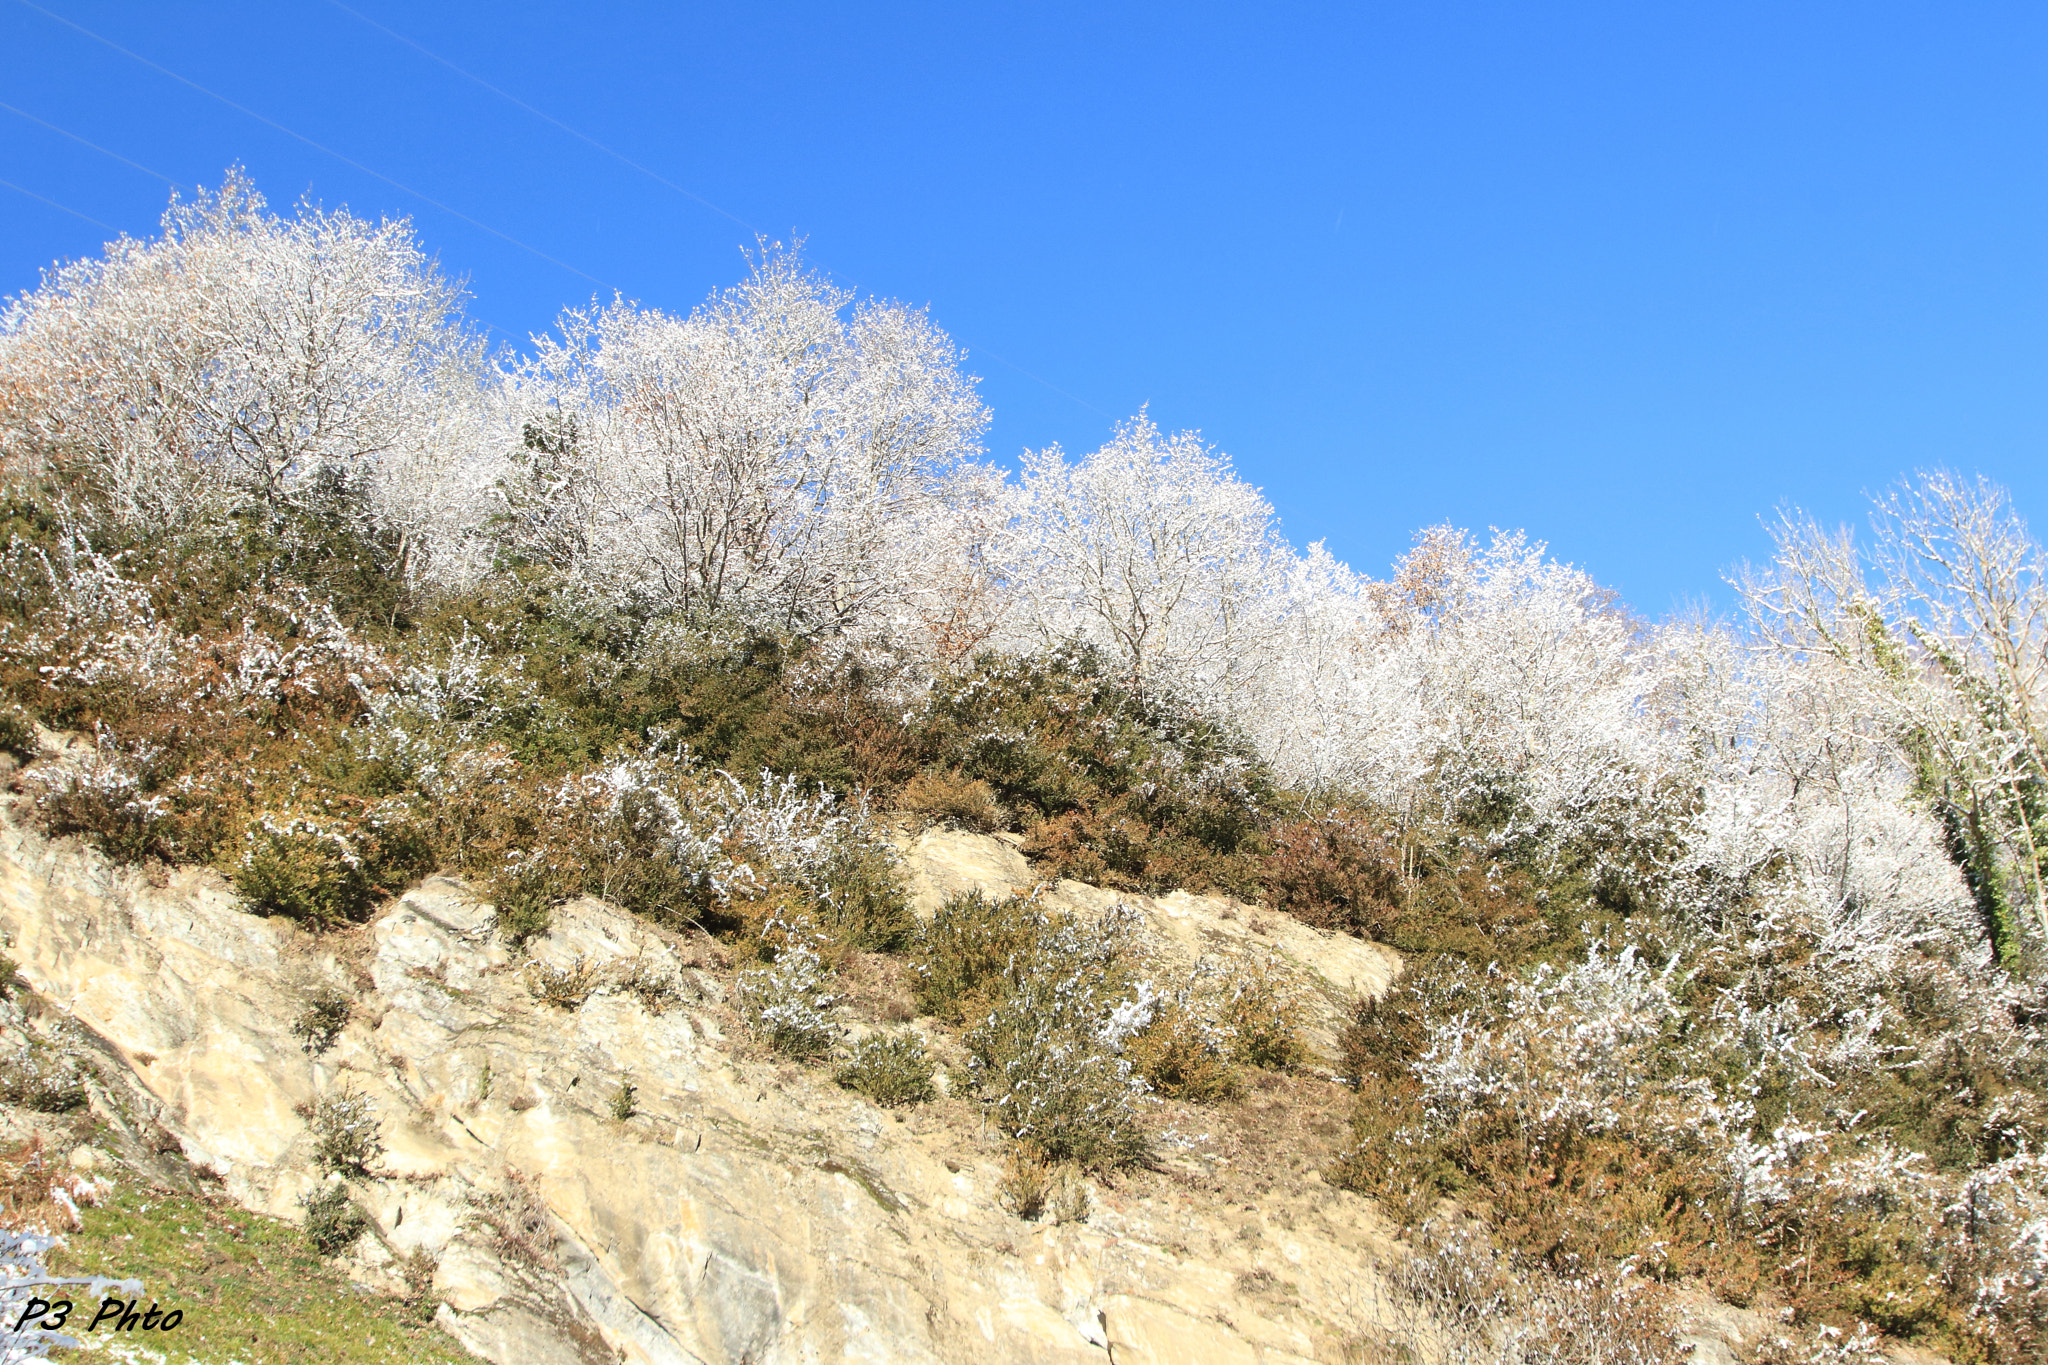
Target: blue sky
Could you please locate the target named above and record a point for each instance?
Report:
(1626, 276)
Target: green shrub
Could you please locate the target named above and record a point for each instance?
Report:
(861, 904)
(1214, 1021)
(325, 871)
(1259, 1012)
(965, 958)
(525, 911)
(1048, 1056)
(17, 733)
(1182, 1055)
(324, 1016)
(333, 1222)
(345, 1132)
(889, 1071)
(625, 1101)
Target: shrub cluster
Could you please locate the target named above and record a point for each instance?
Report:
(333, 1222)
(37, 1076)
(787, 1002)
(1112, 786)
(322, 1018)
(1721, 1118)
(1049, 1054)
(889, 1071)
(345, 1132)
(1215, 1020)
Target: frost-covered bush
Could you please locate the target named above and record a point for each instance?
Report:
(889, 1071)
(788, 1002)
(1210, 1022)
(106, 793)
(777, 456)
(1049, 1056)
(345, 1132)
(331, 867)
(37, 1076)
(654, 986)
(420, 725)
(663, 836)
(1152, 550)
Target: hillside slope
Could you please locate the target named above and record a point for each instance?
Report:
(749, 1209)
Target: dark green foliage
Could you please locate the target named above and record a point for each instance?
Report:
(1112, 787)
(325, 1015)
(965, 958)
(325, 873)
(333, 1222)
(345, 1132)
(17, 733)
(864, 906)
(525, 910)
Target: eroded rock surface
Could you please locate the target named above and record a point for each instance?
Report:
(748, 1210)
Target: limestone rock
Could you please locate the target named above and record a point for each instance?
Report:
(749, 1210)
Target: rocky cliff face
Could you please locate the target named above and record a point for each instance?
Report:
(748, 1210)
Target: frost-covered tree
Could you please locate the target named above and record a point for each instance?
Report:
(776, 454)
(1153, 549)
(1938, 635)
(246, 361)
(1488, 684)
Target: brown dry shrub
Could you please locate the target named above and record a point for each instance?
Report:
(1335, 870)
(514, 1222)
(35, 1190)
(949, 796)
(656, 989)
(564, 987)
(1025, 1181)
(1183, 1055)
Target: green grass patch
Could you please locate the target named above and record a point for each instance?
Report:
(252, 1288)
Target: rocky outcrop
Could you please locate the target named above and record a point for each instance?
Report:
(745, 1209)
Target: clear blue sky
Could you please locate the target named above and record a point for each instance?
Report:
(1624, 275)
